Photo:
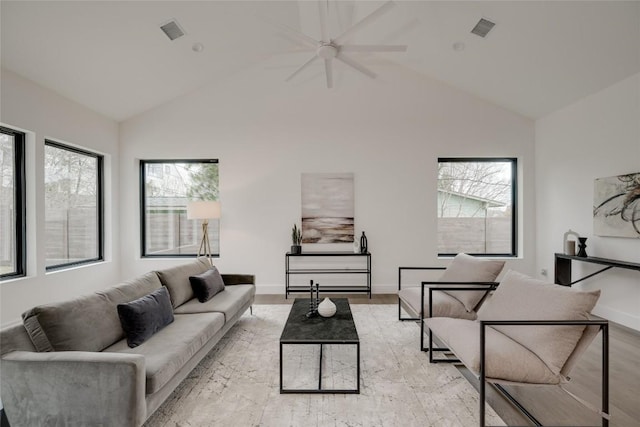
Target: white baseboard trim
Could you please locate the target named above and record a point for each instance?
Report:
(618, 317)
(269, 289)
(279, 289)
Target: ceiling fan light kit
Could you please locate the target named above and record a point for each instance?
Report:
(328, 49)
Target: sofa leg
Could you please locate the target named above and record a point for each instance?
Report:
(251, 310)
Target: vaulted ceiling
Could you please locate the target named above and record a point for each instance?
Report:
(112, 57)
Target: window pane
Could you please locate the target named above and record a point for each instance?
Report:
(72, 206)
(475, 206)
(8, 253)
(168, 187)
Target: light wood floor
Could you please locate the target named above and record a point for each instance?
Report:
(550, 405)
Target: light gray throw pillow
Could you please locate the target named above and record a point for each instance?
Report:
(520, 297)
(466, 268)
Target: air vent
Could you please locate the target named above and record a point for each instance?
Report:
(483, 27)
(172, 29)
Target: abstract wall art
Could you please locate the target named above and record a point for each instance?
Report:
(616, 206)
(327, 208)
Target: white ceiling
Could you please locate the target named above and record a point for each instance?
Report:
(112, 57)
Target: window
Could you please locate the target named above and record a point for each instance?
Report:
(166, 186)
(73, 205)
(12, 204)
(477, 206)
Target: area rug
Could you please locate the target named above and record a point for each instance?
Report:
(237, 383)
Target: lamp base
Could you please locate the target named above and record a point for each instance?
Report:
(205, 246)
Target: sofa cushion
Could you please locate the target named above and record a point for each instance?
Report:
(520, 297)
(506, 360)
(132, 289)
(466, 268)
(444, 305)
(176, 279)
(143, 317)
(171, 348)
(85, 323)
(229, 301)
(206, 285)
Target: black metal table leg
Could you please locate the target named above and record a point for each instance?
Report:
(320, 370)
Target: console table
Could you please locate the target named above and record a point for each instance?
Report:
(563, 267)
(328, 270)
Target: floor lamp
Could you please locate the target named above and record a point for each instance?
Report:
(204, 210)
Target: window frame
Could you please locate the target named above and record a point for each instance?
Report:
(514, 201)
(143, 219)
(99, 205)
(20, 203)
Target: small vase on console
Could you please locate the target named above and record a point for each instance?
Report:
(582, 247)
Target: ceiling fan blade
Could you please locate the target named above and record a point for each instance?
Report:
(323, 6)
(364, 22)
(302, 67)
(373, 48)
(355, 65)
(328, 69)
(299, 37)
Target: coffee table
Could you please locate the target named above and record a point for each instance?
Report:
(339, 329)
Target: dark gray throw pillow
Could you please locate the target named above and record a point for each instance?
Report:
(207, 284)
(143, 317)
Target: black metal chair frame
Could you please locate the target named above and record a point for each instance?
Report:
(604, 327)
(400, 288)
(465, 286)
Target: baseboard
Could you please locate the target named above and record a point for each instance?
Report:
(269, 289)
(619, 317)
(279, 289)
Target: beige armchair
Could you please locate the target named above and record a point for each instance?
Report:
(529, 333)
(468, 281)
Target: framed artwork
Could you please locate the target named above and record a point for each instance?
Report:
(327, 207)
(616, 206)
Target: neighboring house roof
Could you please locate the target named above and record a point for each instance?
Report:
(489, 202)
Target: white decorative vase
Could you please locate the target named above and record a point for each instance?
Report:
(326, 308)
(356, 247)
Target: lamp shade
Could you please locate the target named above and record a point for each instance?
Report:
(203, 209)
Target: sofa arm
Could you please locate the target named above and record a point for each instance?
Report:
(73, 388)
(238, 279)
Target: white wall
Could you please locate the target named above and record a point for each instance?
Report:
(596, 137)
(389, 132)
(45, 114)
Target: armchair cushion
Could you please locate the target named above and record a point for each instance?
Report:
(505, 358)
(465, 268)
(444, 305)
(520, 297)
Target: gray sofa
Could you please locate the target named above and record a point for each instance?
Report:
(69, 363)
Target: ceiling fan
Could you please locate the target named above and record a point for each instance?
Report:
(328, 48)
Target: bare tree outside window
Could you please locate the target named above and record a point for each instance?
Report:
(167, 187)
(476, 212)
(72, 205)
